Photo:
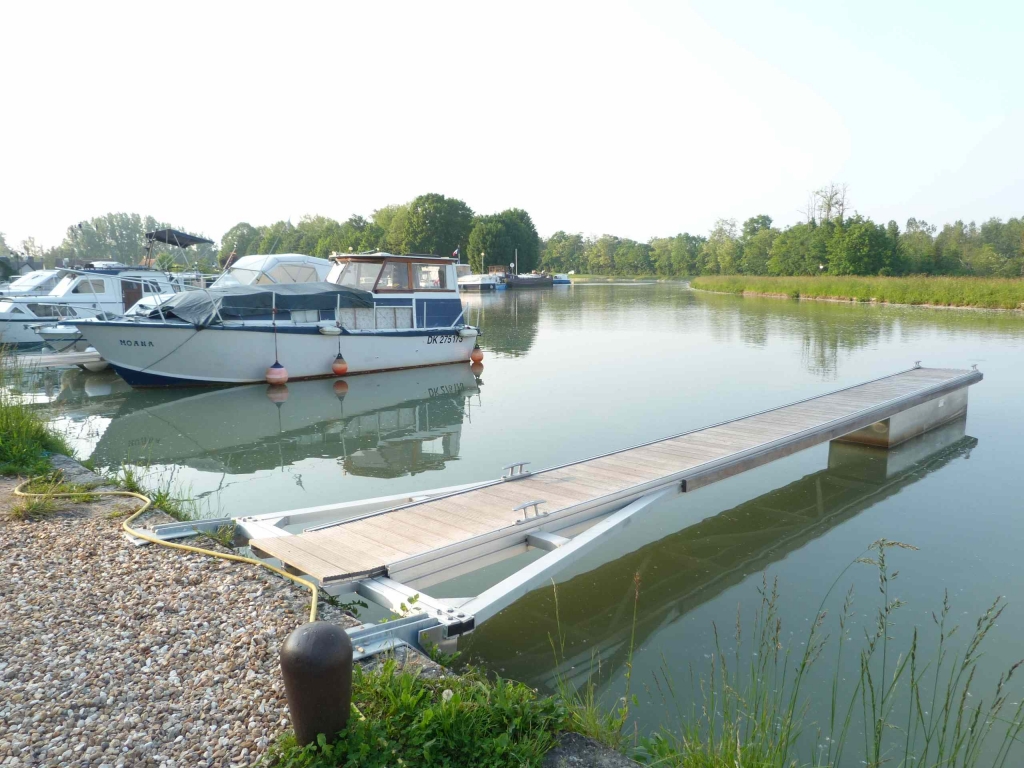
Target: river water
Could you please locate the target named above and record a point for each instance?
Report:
(574, 372)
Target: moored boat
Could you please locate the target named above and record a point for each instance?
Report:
(78, 294)
(376, 312)
(561, 279)
(470, 282)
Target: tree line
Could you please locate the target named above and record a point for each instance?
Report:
(429, 224)
(830, 240)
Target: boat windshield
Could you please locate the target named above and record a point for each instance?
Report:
(463, 270)
(355, 274)
(31, 280)
(236, 276)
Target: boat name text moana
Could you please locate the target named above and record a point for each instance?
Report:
(375, 312)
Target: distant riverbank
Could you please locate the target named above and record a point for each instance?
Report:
(967, 292)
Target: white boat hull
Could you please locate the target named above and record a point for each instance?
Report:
(155, 355)
(20, 332)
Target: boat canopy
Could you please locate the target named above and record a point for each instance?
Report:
(174, 237)
(238, 302)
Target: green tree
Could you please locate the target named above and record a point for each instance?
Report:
(859, 247)
(499, 236)
(490, 242)
(4, 249)
(720, 255)
(243, 238)
(917, 248)
(757, 249)
(756, 224)
(432, 224)
(563, 252)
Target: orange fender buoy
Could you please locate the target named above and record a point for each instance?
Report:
(341, 388)
(277, 374)
(476, 368)
(339, 366)
(476, 355)
(277, 393)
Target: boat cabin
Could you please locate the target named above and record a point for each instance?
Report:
(409, 291)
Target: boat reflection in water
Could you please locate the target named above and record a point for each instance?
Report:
(692, 566)
(376, 425)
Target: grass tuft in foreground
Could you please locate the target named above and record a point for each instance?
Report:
(980, 292)
(409, 720)
(904, 707)
(25, 439)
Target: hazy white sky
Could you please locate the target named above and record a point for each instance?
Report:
(637, 119)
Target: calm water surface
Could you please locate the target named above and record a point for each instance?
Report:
(577, 371)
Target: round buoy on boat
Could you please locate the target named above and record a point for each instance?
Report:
(477, 354)
(339, 366)
(340, 388)
(476, 368)
(277, 374)
(99, 365)
(277, 393)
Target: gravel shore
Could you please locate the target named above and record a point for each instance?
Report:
(117, 655)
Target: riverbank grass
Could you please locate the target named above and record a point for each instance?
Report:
(414, 721)
(975, 292)
(25, 439)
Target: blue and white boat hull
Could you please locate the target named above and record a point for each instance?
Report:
(179, 354)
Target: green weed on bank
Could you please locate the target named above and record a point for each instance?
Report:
(464, 720)
(986, 293)
(25, 439)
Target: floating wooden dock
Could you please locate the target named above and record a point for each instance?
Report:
(430, 540)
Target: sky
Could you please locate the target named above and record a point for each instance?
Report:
(639, 119)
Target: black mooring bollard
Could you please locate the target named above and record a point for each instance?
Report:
(316, 663)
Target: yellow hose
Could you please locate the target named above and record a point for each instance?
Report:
(126, 525)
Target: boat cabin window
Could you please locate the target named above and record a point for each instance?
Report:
(429, 277)
(11, 308)
(294, 273)
(394, 277)
(48, 310)
(150, 287)
(238, 276)
(89, 286)
(356, 274)
(463, 270)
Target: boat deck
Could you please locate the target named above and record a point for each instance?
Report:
(408, 539)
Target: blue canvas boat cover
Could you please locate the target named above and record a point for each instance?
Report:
(205, 307)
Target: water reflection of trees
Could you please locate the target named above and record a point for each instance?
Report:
(829, 331)
(508, 319)
(694, 565)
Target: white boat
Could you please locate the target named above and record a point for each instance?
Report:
(377, 312)
(470, 282)
(561, 279)
(78, 294)
(37, 283)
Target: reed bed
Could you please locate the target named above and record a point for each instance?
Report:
(978, 292)
(904, 708)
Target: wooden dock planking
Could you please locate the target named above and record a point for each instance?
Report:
(373, 543)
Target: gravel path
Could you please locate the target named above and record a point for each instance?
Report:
(116, 655)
